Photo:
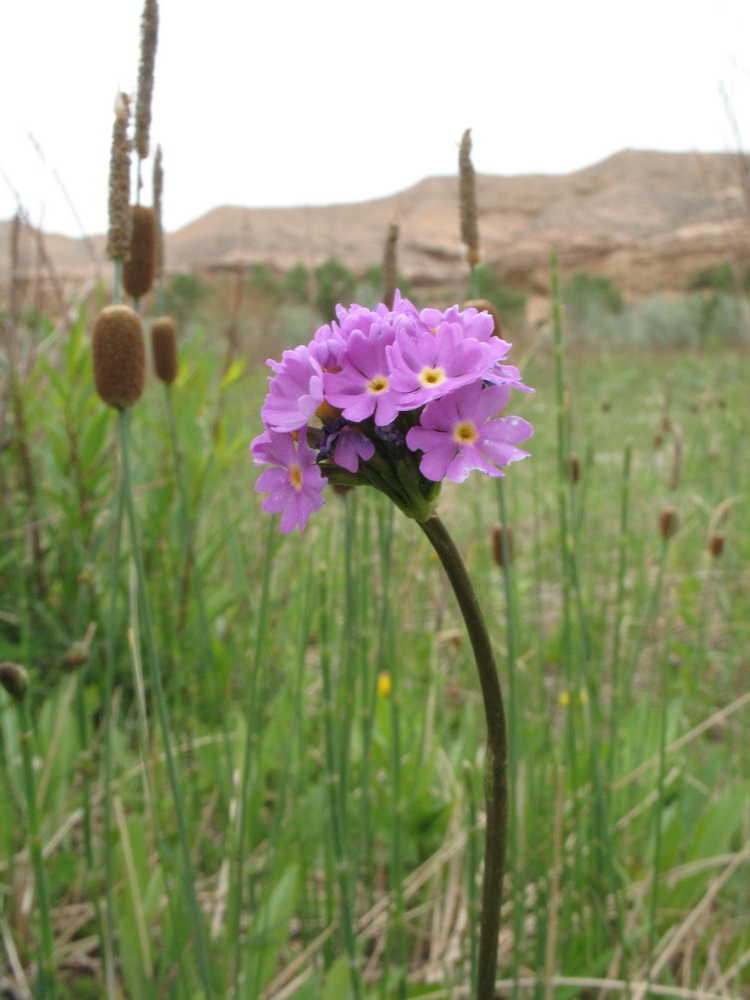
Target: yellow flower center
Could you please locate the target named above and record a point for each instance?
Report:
(377, 384)
(295, 476)
(465, 432)
(431, 376)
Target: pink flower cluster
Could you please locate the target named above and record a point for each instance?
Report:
(399, 399)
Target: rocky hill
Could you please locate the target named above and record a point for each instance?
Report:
(649, 220)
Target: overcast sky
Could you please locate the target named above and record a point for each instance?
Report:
(332, 101)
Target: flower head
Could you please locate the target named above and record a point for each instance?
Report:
(392, 398)
(462, 432)
(294, 482)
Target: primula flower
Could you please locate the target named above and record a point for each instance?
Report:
(295, 483)
(363, 386)
(294, 392)
(457, 434)
(432, 364)
(392, 398)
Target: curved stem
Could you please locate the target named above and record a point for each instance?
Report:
(496, 778)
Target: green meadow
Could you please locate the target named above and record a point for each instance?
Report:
(264, 765)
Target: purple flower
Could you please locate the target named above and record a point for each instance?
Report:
(431, 365)
(295, 482)
(346, 444)
(294, 392)
(362, 388)
(458, 434)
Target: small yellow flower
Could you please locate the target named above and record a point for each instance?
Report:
(384, 685)
(564, 699)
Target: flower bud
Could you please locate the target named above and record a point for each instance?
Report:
(138, 272)
(164, 348)
(14, 679)
(119, 356)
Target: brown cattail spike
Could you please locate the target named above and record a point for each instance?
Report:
(467, 199)
(119, 356)
(138, 273)
(118, 238)
(158, 190)
(164, 348)
(149, 36)
(14, 679)
(716, 543)
(484, 305)
(390, 264)
(575, 468)
(668, 523)
(502, 545)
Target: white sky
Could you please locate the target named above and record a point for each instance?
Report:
(325, 101)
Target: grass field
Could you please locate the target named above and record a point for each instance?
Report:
(319, 747)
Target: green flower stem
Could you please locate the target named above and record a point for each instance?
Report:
(496, 779)
(47, 985)
(161, 708)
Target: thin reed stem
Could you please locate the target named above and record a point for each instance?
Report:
(46, 987)
(496, 779)
(513, 735)
(336, 802)
(161, 708)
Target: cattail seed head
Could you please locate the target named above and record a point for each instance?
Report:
(484, 305)
(502, 545)
(149, 36)
(164, 348)
(716, 543)
(668, 523)
(467, 200)
(390, 264)
(118, 236)
(14, 679)
(574, 466)
(119, 356)
(138, 273)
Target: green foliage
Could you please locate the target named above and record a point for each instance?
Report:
(334, 284)
(261, 280)
(296, 284)
(248, 727)
(184, 294)
(722, 279)
(374, 278)
(510, 302)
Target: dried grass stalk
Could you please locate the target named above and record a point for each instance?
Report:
(149, 36)
(467, 198)
(390, 264)
(118, 238)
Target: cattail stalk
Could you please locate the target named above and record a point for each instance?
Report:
(149, 37)
(118, 236)
(158, 199)
(467, 200)
(152, 657)
(390, 264)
